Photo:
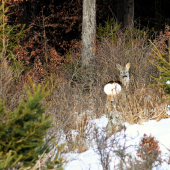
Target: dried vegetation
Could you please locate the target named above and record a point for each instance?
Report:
(76, 95)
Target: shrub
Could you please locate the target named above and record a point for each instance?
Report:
(22, 131)
(162, 63)
(8, 34)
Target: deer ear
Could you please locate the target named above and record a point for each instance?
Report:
(128, 66)
(119, 66)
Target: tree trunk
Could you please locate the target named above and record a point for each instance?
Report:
(158, 15)
(120, 12)
(88, 31)
(128, 13)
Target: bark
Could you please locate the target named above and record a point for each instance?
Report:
(158, 15)
(120, 12)
(128, 13)
(88, 31)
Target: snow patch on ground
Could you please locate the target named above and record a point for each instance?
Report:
(90, 160)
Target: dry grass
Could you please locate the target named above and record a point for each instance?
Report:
(78, 96)
(10, 91)
(143, 102)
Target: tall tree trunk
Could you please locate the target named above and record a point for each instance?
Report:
(158, 15)
(128, 13)
(120, 12)
(88, 31)
(25, 15)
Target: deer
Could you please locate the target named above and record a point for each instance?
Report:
(115, 89)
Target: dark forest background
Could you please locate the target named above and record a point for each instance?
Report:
(41, 43)
(55, 27)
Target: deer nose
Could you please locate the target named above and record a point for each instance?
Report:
(124, 76)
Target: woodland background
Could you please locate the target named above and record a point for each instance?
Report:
(55, 28)
(41, 43)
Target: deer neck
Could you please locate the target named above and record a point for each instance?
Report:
(125, 82)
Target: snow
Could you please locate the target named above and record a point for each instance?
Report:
(168, 82)
(90, 159)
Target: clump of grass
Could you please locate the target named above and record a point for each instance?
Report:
(148, 154)
(78, 97)
(11, 90)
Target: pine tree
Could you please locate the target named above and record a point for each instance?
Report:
(9, 35)
(22, 131)
(162, 63)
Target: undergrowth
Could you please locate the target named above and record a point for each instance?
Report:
(76, 97)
